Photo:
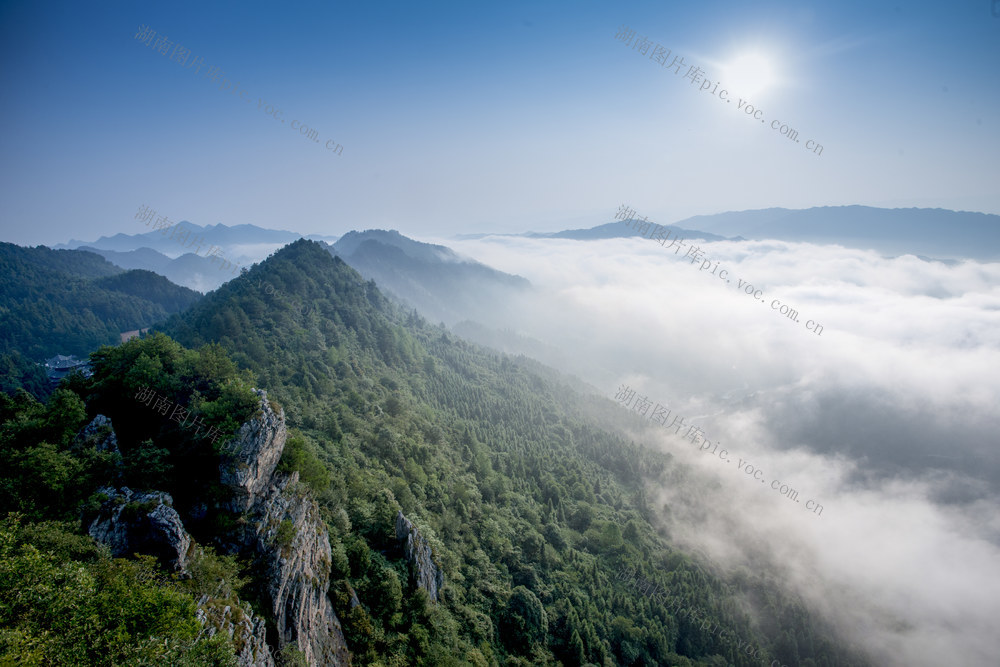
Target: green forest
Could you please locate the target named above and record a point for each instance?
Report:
(531, 499)
(71, 301)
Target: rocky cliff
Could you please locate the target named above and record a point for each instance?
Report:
(247, 633)
(253, 456)
(141, 522)
(285, 531)
(418, 551)
(100, 434)
(145, 522)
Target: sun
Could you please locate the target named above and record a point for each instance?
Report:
(749, 73)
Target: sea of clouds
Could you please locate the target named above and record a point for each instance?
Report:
(888, 418)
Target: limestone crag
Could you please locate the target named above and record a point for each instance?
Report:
(253, 455)
(283, 531)
(293, 542)
(247, 633)
(143, 522)
(288, 537)
(418, 551)
(99, 433)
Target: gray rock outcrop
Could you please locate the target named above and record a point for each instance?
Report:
(99, 433)
(254, 455)
(142, 522)
(418, 551)
(285, 531)
(247, 633)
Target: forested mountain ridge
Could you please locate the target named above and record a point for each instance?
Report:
(195, 264)
(71, 302)
(528, 510)
(189, 270)
(78, 264)
(441, 284)
(530, 504)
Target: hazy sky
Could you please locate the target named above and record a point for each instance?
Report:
(460, 117)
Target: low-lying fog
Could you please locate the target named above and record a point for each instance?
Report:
(887, 418)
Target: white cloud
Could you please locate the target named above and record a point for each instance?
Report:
(887, 419)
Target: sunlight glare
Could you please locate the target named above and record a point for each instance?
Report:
(749, 73)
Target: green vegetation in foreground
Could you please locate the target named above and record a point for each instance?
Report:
(530, 500)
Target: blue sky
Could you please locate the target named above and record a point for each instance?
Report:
(468, 117)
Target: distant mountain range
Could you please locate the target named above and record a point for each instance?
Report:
(186, 262)
(924, 232)
(446, 287)
(189, 270)
(610, 230)
(931, 232)
(231, 238)
(441, 284)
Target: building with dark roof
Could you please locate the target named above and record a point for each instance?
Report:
(60, 366)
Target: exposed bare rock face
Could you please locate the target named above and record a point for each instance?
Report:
(286, 533)
(254, 456)
(132, 522)
(142, 522)
(283, 531)
(418, 552)
(99, 433)
(247, 633)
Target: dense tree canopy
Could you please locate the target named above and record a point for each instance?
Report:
(72, 301)
(63, 599)
(521, 482)
(530, 499)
